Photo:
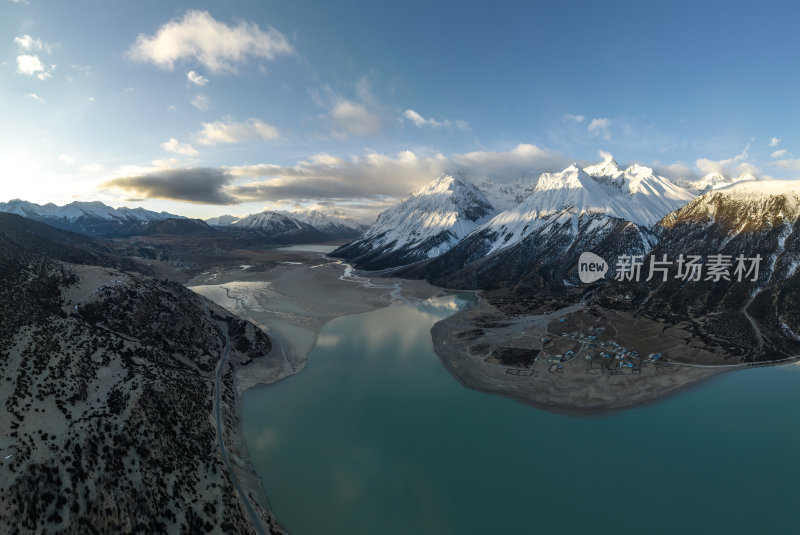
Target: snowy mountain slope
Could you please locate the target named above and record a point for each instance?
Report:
(647, 197)
(636, 195)
(91, 218)
(426, 224)
(335, 226)
(222, 220)
(547, 257)
(278, 228)
(329, 227)
(747, 219)
(605, 172)
(504, 196)
(555, 197)
(76, 210)
(713, 181)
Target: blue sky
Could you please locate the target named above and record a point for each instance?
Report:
(233, 107)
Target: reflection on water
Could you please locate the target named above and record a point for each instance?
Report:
(375, 436)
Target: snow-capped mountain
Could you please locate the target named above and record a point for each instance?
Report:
(605, 172)
(278, 228)
(91, 218)
(748, 219)
(538, 242)
(713, 181)
(426, 224)
(334, 225)
(537, 237)
(328, 227)
(222, 220)
(504, 196)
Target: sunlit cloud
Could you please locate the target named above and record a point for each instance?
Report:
(31, 65)
(196, 79)
(173, 145)
(34, 96)
(729, 166)
(227, 131)
(574, 118)
(774, 142)
(198, 37)
(26, 43)
(779, 153)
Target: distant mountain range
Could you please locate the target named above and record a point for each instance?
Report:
(476, 218)
(295, 227)
(90, 218)
(99, 220)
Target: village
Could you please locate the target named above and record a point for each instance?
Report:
(572, 350)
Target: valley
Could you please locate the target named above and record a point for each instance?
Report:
(173, 312)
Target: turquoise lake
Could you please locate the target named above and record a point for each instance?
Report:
(376, 437)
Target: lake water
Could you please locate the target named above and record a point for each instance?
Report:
(309, 248)
(376, 437)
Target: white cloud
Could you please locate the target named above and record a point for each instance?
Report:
(34, 96)
(375, 175)
(574, 118)
(774, 141)
(173, 145)
(91, 99)
(201, 102)
(66, 159)
(728, 167)
(353, 118)
(30, 65)
(674, 170)
(779, 153)
(196, 79)
(419, 120)
(600, 126)
(226, 131)
(788, 164)
(215, 45)
(26, 43)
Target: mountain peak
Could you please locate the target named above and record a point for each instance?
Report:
(573, 177)
(639, 171)
(608, 168)
(444, 182)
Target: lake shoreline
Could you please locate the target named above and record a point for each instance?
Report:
(327, 294)
(580, 394)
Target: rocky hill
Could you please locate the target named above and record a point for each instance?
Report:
(109, 393)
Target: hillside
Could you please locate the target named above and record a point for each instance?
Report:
(107, 423)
